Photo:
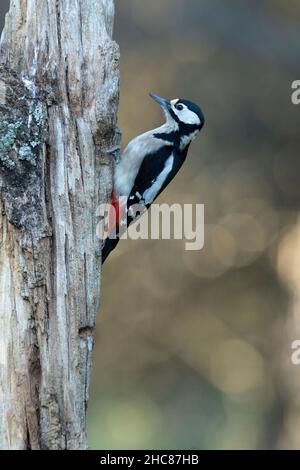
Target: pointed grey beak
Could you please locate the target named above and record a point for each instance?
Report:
(165, 104)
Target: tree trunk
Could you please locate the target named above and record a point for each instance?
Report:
(58, 101)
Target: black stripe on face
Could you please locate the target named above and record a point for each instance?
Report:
(174, 136)
(171, 137)
(187, 129)
(174, 115)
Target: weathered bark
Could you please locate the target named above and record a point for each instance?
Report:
(58, 101)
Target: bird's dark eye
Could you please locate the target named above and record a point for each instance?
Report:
(179, 107)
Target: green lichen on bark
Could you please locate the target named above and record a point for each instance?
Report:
(22, 123)
(23, 130)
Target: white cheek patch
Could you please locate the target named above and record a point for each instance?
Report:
(186, 115)
(189, 117)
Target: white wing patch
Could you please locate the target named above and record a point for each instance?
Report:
(150, 194)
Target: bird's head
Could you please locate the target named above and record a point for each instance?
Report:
(183, 116)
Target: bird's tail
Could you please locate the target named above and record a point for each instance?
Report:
(109, 245)
(117, 211)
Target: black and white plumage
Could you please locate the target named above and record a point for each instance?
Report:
(151, 160)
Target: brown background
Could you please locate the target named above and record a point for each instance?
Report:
(193, 348)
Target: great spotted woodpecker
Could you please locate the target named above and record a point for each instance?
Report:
(151, 160)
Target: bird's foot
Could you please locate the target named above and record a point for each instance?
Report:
(119, 137)
(115, 150)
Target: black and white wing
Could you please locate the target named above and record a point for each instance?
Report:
(155, 173)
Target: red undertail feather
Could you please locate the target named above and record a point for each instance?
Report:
(116, 212)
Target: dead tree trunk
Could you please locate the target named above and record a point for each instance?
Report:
(58, 101)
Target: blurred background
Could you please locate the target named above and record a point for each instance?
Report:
(193, 349)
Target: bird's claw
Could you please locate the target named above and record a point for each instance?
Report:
(115, 150)
(119, 137)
